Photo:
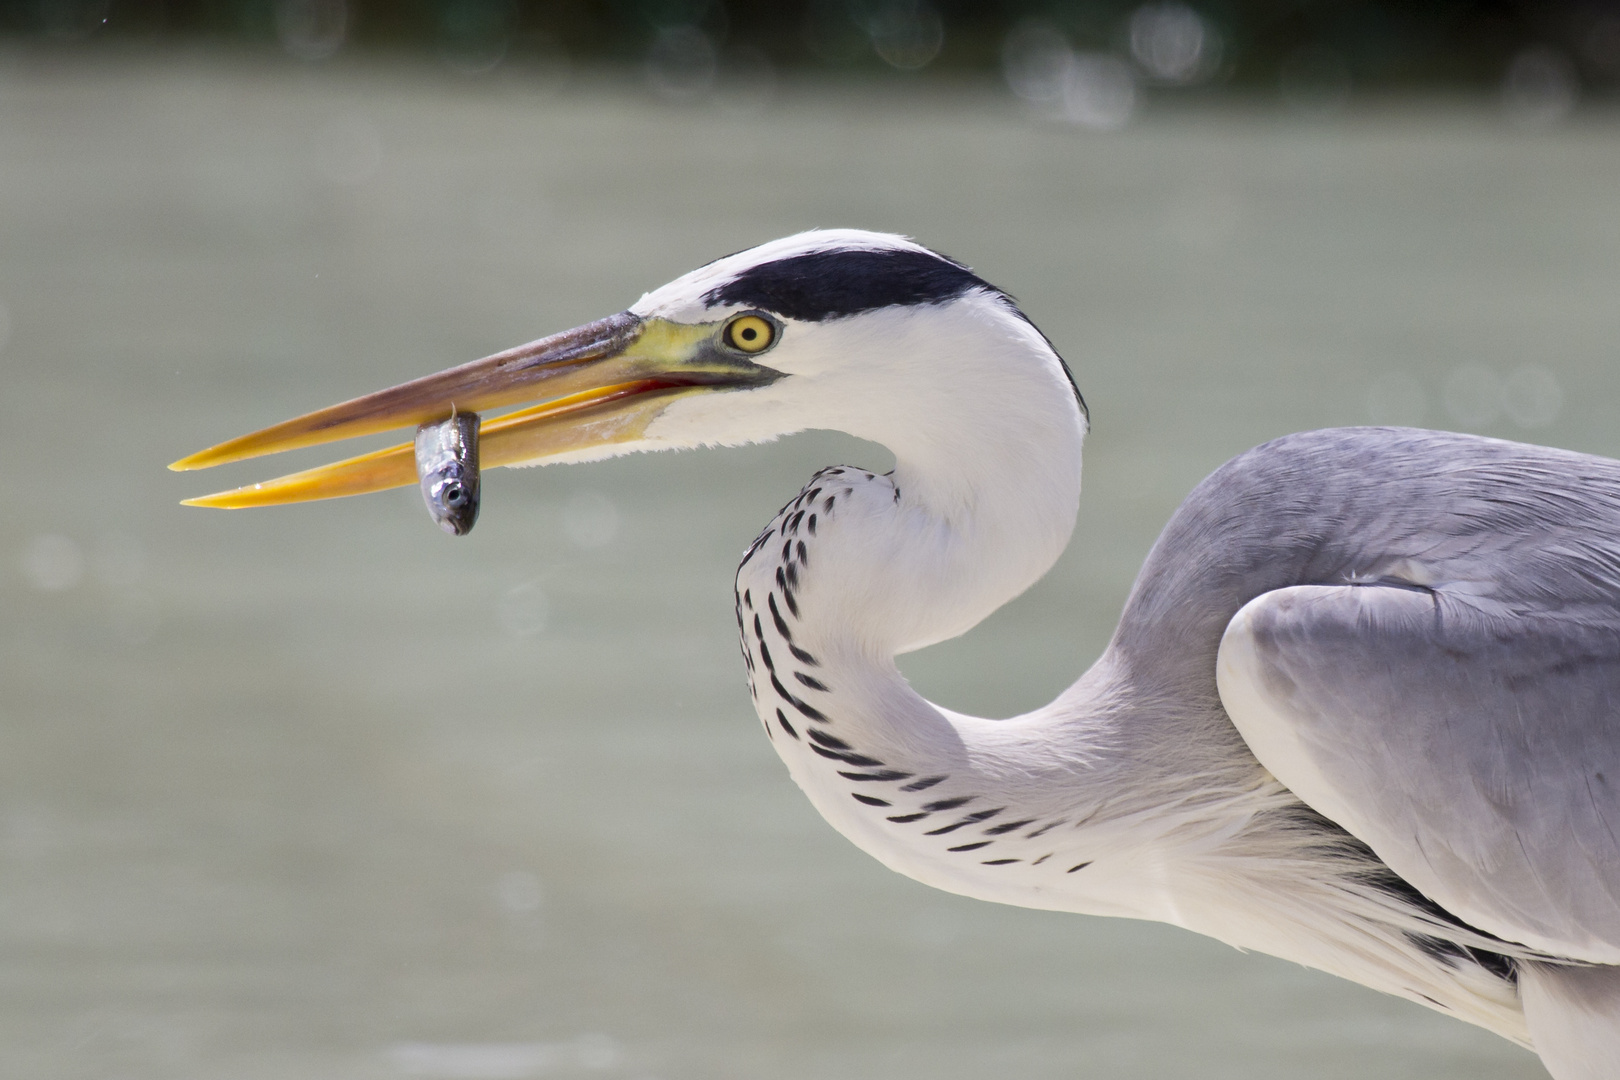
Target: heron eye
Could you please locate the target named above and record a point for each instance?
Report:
(750, 333)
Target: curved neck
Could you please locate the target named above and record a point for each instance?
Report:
(987, 808)
(862, 567)
(986, 484)
(1104, 802)
(1109, 801)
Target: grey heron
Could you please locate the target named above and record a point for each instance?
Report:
(1359, 711)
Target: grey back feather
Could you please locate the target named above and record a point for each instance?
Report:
(1458, 679)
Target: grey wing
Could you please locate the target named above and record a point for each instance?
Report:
(1474, 747)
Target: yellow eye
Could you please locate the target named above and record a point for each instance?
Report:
(750, 333)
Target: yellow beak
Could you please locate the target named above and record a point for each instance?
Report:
(597, 384)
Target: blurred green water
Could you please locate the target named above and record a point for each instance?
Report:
(320, 792)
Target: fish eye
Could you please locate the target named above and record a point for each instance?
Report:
(455, 495)
(750, 333)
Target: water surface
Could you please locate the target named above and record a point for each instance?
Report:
(321, 792)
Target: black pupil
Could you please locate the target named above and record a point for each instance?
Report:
(748, 333)
(453, 494)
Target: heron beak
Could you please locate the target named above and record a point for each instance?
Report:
(597, 384)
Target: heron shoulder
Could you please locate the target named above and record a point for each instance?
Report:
(1501, 523)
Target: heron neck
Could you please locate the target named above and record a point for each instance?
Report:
(980, 504)
(1130, 795)
(862, 567)
(1087, 805)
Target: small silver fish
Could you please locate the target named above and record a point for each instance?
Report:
(447, 466)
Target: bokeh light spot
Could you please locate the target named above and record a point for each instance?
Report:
(519, 892)
(591, 520)
(1539, 87)
(681, 64)
(524, 611)
(1531, 397)
(907, 34)
(52, 562)
(1035, 60)
(1099, 92)
(474, 34)
(312, 29)
(1174, 44)
(1472, 396)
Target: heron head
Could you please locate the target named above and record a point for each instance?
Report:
(840, 329)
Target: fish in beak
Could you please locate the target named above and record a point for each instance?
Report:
(595, 385)
(447, 466)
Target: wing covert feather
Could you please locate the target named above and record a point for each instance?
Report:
(1474, 746)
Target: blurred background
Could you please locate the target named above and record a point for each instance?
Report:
(322, 792)
(1088, 61)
